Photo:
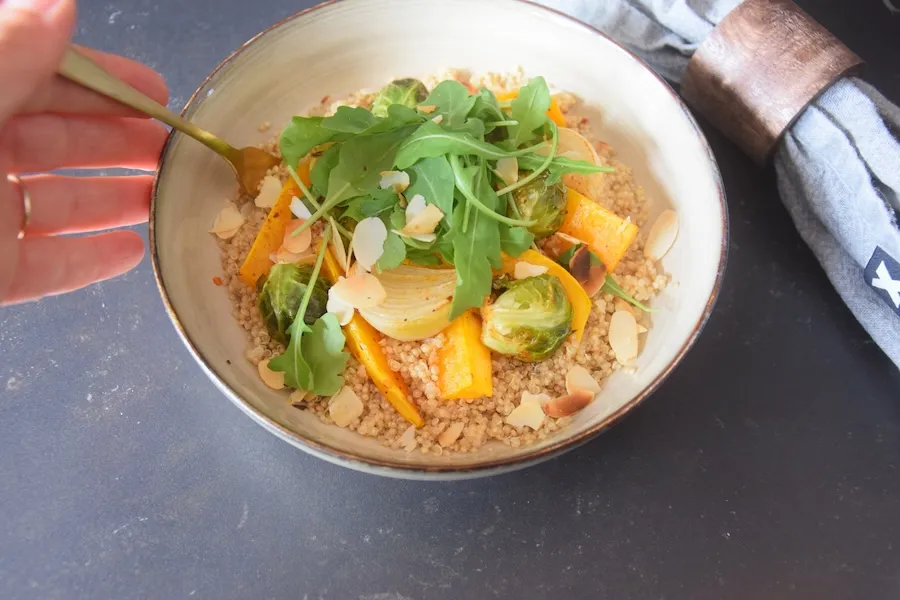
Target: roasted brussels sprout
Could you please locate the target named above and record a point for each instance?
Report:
(530, 320)
(280, 295)
(408, 92)
(545, 203)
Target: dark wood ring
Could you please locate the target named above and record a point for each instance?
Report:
(759, 68)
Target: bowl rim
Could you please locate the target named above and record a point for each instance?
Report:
(387, 467)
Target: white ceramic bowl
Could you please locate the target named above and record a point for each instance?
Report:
(340, 47)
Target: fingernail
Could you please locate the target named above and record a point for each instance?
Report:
(36, 5)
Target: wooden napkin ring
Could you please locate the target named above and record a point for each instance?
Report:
(759, 68)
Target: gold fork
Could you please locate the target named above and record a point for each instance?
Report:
(249, 164)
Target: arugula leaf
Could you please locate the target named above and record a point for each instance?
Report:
(426, 258)
(323, 349)
(611, 286)
(322, 168)
(486, 107)
(477, 249)
(394, 253)
(314, 359)
(302, 135)
(349, 119)
(377, 202)
(472, 126)
(530, 110)
(515, 240)
(397, 116)
(451, 99)
(431, 140)
(433, 178)
(444, 247)
(362, 159)
(560, 165)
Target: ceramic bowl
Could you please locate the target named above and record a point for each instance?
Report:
(340, 47)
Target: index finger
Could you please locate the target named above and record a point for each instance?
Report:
(61, 96)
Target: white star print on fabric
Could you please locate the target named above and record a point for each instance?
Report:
(885, 282)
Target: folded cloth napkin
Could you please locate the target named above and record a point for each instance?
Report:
(838, 167)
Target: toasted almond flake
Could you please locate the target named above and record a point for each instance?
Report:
(662, 235)
(526, 414)
(228, 221)
(336, 306)
(565, 406)
(361, 290)
(272, 379)
(437, 119)
(297, 244)
(451, 434)
(524, 270)
(540, 399)
(368, 241)
(345, 407)
(268, 192)
(569, 238)
(580, 379)
(508, 169)
(573, 145)
(299, 209)
(299, 398)
(641, 329)
(408, 439)
(427, 108)
(416, 205)
(398, 180)
(337, 245)
(425, 222)
(282, 256)
(623, 336)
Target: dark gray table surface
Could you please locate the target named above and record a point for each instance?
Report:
(765, 467)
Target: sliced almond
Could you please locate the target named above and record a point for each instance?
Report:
(228, 221)
(345, 407)
(662, 235)
(508, 169)
(299, 209)
(437, 119)
(425, 222)
(580, 379)
(427, 108)
(623, 336)
(297, 244)
(590, 276)
(340, 309)
(565, 406)
(416, 205)
(272, 379)
(573, 145)
(269, 190)
(300, 398)
(451, 434)
(282, 256)
(368, 241)
(526, 414)
(398, 180)
(361, 290)
(408, 439)
(524, 270)
(540, 399)
(641, 329)
(337, 245)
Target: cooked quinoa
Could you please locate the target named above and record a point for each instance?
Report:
(481, 420)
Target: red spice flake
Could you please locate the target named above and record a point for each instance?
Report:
(325, 99)
(218, 280)
(583, 121)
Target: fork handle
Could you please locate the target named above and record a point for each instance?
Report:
(84, 71)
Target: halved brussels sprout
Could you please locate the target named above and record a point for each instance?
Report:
(530, 320)
(408, 92)
(544, 203)
(280, 295)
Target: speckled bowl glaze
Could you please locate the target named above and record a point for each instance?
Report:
(339, 47)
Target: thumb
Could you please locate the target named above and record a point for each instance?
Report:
(33, 37)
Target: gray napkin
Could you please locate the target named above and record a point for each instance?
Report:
(838, 167)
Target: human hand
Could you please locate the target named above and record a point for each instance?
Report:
(48, 123)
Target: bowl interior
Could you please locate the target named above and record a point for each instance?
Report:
(342, 47)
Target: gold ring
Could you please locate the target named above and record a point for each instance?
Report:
(26, 202)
